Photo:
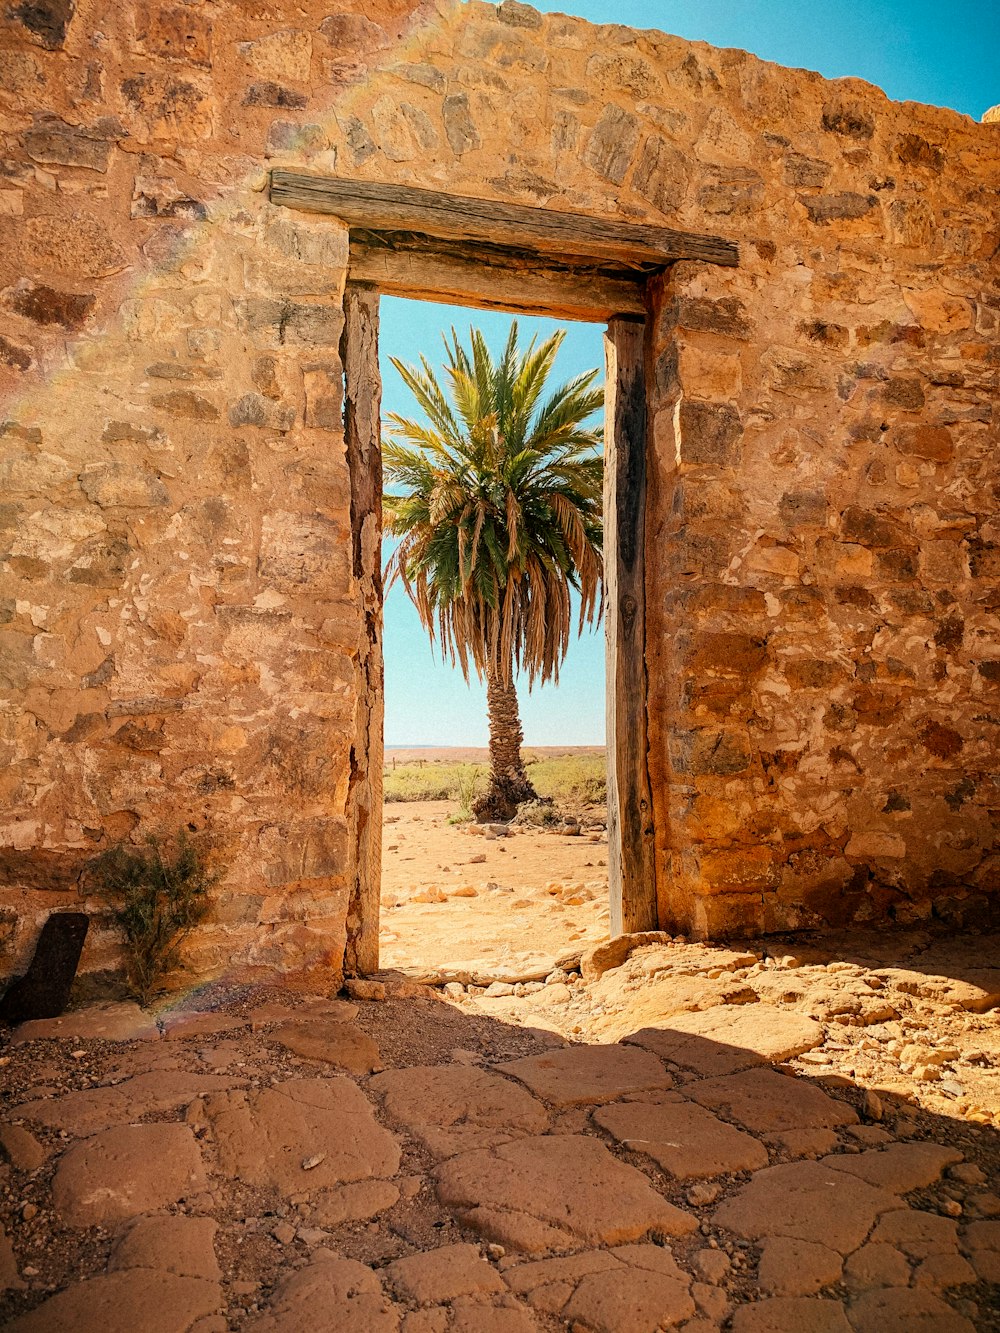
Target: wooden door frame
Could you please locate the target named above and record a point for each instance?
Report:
(429, 245)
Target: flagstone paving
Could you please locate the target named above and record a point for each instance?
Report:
(272, 1162)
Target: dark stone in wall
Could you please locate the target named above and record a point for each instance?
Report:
(47, 305)
(46, 20)
(710, 433)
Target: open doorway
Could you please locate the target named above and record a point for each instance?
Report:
(496, 900)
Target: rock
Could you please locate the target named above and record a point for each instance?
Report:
(917, 1233)
(981, 1242)
(329, 1293)
(338, 1044)
(125, 1171)
(455, 1108)
(441, 1275)
(96, 1109)
(354, 1203)
(871, 1105)
(725, 1040)
(558, 1191)
(10, 1279)
(603, 957)
(43, 991)
(938, 1272)
(902, 1310)
(805, 1201)
(876, 1264)
(362, 988)
(21, 1148)
(336, 1011)
(686, 1140)
(170, 1242)
(582, 1075)
(773, 1106)
(629, 1289)
(264, 1137)
(901, 1167)
(181, 1026)
(141, 1300)
(791, 1314)
(96, 1022)
(790, 1267)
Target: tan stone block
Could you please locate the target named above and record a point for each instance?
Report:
(843, 560)
(747, 870)
(280, 55)
(938, 311)
(876, 845)
(710, 374)
(774, 560)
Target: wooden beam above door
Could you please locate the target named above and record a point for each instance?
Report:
(548, 233)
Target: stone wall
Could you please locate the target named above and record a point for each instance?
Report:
(181, 637)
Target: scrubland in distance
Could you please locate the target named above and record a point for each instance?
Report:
(569, 779)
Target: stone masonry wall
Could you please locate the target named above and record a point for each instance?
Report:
(180, 637)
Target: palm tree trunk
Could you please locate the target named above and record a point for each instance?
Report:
(509, 783)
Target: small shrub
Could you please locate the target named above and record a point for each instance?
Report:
(160, 895)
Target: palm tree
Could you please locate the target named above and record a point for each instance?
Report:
(499, 511)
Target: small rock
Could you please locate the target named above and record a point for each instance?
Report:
(310, 1163)
(362, 988)
(496, 989)
(704, 1193)
(29, 1211)
(951, 1208)
(284, 1234)
(871, 1106)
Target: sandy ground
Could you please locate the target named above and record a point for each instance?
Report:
(463, 902)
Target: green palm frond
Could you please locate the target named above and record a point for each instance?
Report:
(497, 499)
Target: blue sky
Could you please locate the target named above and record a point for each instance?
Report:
(916, 50)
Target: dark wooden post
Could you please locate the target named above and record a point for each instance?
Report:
(362, 399)
(631, 875)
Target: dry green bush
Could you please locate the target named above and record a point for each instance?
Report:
(159, 894)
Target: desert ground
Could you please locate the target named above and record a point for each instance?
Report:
(519, 1125)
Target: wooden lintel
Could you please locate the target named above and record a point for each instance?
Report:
(558, 293)
(383, 207)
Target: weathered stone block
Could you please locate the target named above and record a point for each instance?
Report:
(324, 395)
(459, 126)
(15, 355)
(269, 94)
(280, 55)
(869, 528)
(720, 754)
(168, 106)
(744, 870)
(348, 32)
(933, 442)
(187, 405)
(53, 142)
(45, 20)
(47, 305)
(803, 170)
(175, 32)
(661, 175)
(709, 433)
(612, 143)
(826, 208)
(292, 322)
(120, 484)
(848, 119)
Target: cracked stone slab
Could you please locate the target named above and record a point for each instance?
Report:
(124, 1171)
(776, 1107)
(140, 1300)
(791, 1314)
(97, 1022)
(790, 1267)
(685, 1139)
(96, 1109)
(353, 1203)
(171, 1242)
(185, 1024)
(440, 1276)
(981, 1242)
(629, 1289)
(329, 1293)
(917, 1233)
(457, 1108)
(585, 1075)
(339, 1044)
(314, 1007)
(905, 1310)
(901, 1167)
(263, 1138)
(806, 1201)
(555, 1191)
(728, 1038)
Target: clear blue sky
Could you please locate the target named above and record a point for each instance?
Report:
(945, 54)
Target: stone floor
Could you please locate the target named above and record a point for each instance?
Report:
(270, 1161)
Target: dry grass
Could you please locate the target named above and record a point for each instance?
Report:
(568, 780)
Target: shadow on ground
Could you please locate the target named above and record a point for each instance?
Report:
(264, 1160)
